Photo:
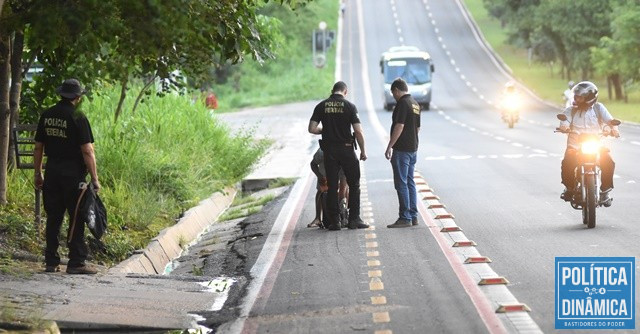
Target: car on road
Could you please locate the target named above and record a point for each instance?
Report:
(412, 65)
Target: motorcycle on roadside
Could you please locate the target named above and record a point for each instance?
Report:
(587, 172)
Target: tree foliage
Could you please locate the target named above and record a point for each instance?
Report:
(619, 52)
(598, 36)
(116, 41)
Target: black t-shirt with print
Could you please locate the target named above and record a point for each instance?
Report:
(407, 112)
(62, 129)
(336, 115)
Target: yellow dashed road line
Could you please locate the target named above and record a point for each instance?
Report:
(375, 273)
(379, 317)
(376, 284)
(373, 263)
(378, 300)
(384, 331)
(375, 276)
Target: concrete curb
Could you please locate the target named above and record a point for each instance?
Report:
(168, 244)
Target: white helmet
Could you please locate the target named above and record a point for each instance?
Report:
(510, 87)
(589, 93)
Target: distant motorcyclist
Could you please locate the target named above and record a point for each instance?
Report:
(509, 90)
(510, 101)
(586, 115)
(568, 95)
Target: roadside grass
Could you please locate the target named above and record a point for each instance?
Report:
(152, 166)
(281, 182)
(291, 76)
(25, 318)
(170, 154)
(245, 206)
(546, 81)
(15, 268)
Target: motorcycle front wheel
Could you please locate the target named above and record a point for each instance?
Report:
(589, 207)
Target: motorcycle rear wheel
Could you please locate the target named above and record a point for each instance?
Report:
(589, 208)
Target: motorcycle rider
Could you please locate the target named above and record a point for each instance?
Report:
(568, 95)
(510, 96)
(587, 115)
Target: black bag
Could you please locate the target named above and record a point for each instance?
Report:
(90, 211)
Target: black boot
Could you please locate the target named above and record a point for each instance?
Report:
(357, 223)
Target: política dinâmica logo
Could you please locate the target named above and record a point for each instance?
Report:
(595, 293)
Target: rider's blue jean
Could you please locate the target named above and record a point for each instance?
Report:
(403, 164)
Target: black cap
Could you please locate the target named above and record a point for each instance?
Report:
(71, 89)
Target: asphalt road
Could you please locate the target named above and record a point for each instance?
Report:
(501, 184)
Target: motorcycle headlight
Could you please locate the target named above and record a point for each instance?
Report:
(512, 103)
(590, 147)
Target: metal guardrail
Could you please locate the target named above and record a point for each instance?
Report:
(24, 145)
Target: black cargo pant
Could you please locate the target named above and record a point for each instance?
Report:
(60, 195)
(570, 162)
(343, 156)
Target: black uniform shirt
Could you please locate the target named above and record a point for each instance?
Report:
(62, 129)
(407, 112)
(336, 115)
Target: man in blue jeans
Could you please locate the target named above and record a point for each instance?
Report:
(402, 151)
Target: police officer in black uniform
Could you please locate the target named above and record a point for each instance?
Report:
(337, 116)
(65, 136)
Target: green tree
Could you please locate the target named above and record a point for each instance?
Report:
(605, 63)
(517, 16)
(573, 27)
(617, 56)
(562, 30)
(117, 41)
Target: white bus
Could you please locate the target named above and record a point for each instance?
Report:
(412, 65)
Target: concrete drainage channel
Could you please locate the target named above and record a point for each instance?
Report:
(200, 246)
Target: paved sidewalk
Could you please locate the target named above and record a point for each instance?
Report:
(115, 301)
(287, 126)
(109, 301)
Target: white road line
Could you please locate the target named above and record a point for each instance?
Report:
(373, 118)
(490, 156)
